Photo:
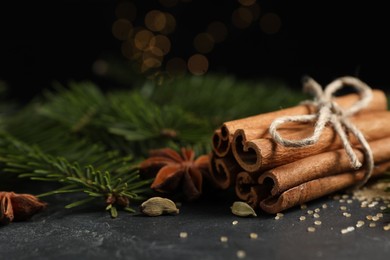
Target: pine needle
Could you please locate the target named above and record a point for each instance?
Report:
(32, 163)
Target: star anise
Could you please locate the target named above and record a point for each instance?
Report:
(18, 207)
(173, 170)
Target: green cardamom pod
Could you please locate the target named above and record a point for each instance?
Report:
(242, 209)
(157, 206)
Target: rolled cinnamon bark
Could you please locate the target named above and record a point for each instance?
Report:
(223, 137)
(248, 189)
(224, 171)
(273, 183)
(264, 153)
(287, 176)
(316, 188)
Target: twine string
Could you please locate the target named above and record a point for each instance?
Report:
(330, 113)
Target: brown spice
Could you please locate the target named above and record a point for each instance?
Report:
(18, 207)
(316, 176)
(317, 166)
(172, 170)
(224, 171)
(247, 188)
(315, 189)
(223, 137)
(258, 154)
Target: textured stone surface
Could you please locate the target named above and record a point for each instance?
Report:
(89, 233)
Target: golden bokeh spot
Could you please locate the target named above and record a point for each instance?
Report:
(155, 20)
(161, 42)
(198, 64)
(247, 2)
(242, 17)
(121, 29)
(270, 23)
(204, 42)
(150, 54)
(176, 67)
(218, 31)
(133, 32)
(150, 63)
(142, 39)
(130, 51)
(170, 24)
(169, 3)
(126, 10)
(155, 51)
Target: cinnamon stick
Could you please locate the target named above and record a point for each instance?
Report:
(223, 137)
(317, 188)
(248, 189)
(274, 182)
(264, 153)
(287, 176)
(223, 171)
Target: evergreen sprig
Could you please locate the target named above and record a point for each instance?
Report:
(218, 98)
(122, 120)
(110, 177)
(153, 126)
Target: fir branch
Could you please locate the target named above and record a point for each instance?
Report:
(52, 138)
(118, 186)
(121, 120)
(79, 102)
(220, 98)
(154, 126)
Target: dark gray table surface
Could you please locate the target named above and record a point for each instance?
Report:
(89, 233)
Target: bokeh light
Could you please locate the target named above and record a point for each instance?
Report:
(170, 24)
(130, 51)
(148, 44)
(204, 42)
(142, 39)
(150, 63)
(155, 20)
(198, 64)
(162, 43)
(149, 54)
(242, 17)
(270, 23)
(121, 29)
(150, 59)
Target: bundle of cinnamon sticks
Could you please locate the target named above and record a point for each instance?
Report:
(273, 177)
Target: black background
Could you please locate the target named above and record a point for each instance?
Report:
(60, 40)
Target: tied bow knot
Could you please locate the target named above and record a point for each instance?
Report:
(330, 113)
